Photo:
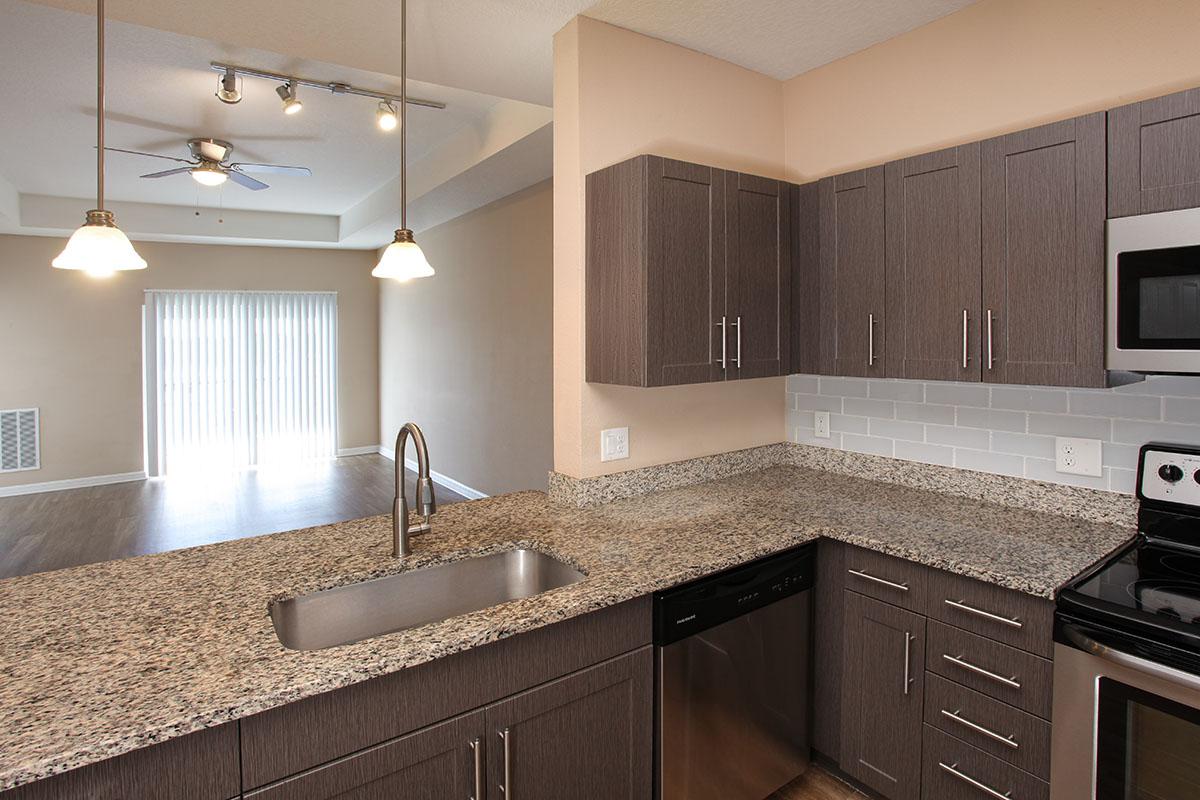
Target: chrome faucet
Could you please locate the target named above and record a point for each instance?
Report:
(401, 529)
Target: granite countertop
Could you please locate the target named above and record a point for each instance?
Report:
(99, 660)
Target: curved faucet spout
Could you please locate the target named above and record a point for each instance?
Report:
(425, 506)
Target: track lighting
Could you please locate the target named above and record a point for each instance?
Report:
(287, 93)
(385, 116)
(209, 174)
(229, 88)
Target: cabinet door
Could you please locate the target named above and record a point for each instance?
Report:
(805, 312)
(759, 274)
(685, 272)
(828, 635)
(1043, 255)
(882, 696)
(852, 273)
(584, 736)
(933, 269)
(1154, 155)
(442, 761)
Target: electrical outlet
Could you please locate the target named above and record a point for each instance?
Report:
(614, 444)
(821, 423)
(1077, 456)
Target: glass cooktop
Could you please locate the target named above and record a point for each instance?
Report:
(1153, 579)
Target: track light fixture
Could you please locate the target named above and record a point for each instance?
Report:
(385, 116)
(287, 93)
(229, 88)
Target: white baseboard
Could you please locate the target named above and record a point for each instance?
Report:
(358, 451)
(437, 477)
(71, 483)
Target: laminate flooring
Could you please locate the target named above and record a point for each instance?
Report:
(52, 530)
(817, 784)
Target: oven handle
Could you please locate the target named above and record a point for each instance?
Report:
(1089, 645)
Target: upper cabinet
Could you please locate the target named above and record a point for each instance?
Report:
(1043, 255)
(688, 274)
(806, 278)
(851, 273)
(1154, 155)
(933, 272)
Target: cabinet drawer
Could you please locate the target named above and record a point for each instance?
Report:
(892, 580)
(955, 771)
(1005, 673)
(996, 728)
(1011, 617)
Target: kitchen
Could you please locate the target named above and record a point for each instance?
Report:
(831, 358)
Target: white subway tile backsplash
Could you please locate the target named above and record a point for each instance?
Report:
(1022, 399)
(895, 429)
(908, 391)
(885, 409)
(1008, 430)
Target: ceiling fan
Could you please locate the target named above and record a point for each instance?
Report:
(210, 166)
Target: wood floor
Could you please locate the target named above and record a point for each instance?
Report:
(817, 784)
(40, 532)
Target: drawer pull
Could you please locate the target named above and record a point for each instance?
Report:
(903, 587)
(908, 639)
(1008, 741)
(967, 779)
(1012, 622)
(987, 673)
(507, 788)
(477, 764)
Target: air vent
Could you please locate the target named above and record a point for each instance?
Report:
(19, 440)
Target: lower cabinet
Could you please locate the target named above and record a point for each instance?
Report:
(882, 695)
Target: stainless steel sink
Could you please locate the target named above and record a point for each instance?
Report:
(359, 611)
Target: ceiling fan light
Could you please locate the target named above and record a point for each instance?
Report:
(99, 248)
(229, 88)
(287, 93)
(402, 260)
(209, 175)
(385, 116)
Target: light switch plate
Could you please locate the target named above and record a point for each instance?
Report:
(821, 424)
(1077, 456)
(614, 444)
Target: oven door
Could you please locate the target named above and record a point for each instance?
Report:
(1124, 728)
(1154, 292)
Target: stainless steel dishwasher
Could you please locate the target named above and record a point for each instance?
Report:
(732, 657)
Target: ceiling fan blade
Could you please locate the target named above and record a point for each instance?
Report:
(166, 172)
(274, 169)
(246, 180)
(151, 155)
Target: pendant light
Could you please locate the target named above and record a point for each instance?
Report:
(99, 248)
(403, 260)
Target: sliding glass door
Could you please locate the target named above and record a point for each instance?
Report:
(239, 379)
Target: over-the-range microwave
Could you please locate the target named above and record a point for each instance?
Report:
(1154, 293)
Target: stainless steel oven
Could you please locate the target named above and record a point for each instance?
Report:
(1154, 293)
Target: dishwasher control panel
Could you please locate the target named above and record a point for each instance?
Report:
(696, 606)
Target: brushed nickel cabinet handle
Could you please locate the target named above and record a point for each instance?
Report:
(967, 779)
(987, 673)
(866, 576)
(1008, 741)
(1012, 622)
(507, 788)
(737, 360)
(477, 764)
(908, 638)
(870, 340)
(721, 325)
(966, 357)
(991, 360)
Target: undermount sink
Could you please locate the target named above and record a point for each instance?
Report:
(346, 614)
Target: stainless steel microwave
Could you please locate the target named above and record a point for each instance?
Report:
(1154, 293)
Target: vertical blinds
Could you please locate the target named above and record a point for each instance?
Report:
(237, 379)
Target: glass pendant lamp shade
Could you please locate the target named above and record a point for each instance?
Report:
(99, 248)
(402, 260)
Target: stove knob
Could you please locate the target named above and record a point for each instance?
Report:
(1196, 476)
(1170, 473)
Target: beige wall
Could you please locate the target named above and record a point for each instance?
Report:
(466, 354)
(71, 345)
(994, 67)
(618, 94)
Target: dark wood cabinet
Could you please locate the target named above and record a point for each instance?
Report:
(1043, 254)
(1154, 155)
(828, 628)
(933, 265)
(882, 696)
(432, 764)
(584, 736)
(806, 278)
(853, 332)
(685, 263)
